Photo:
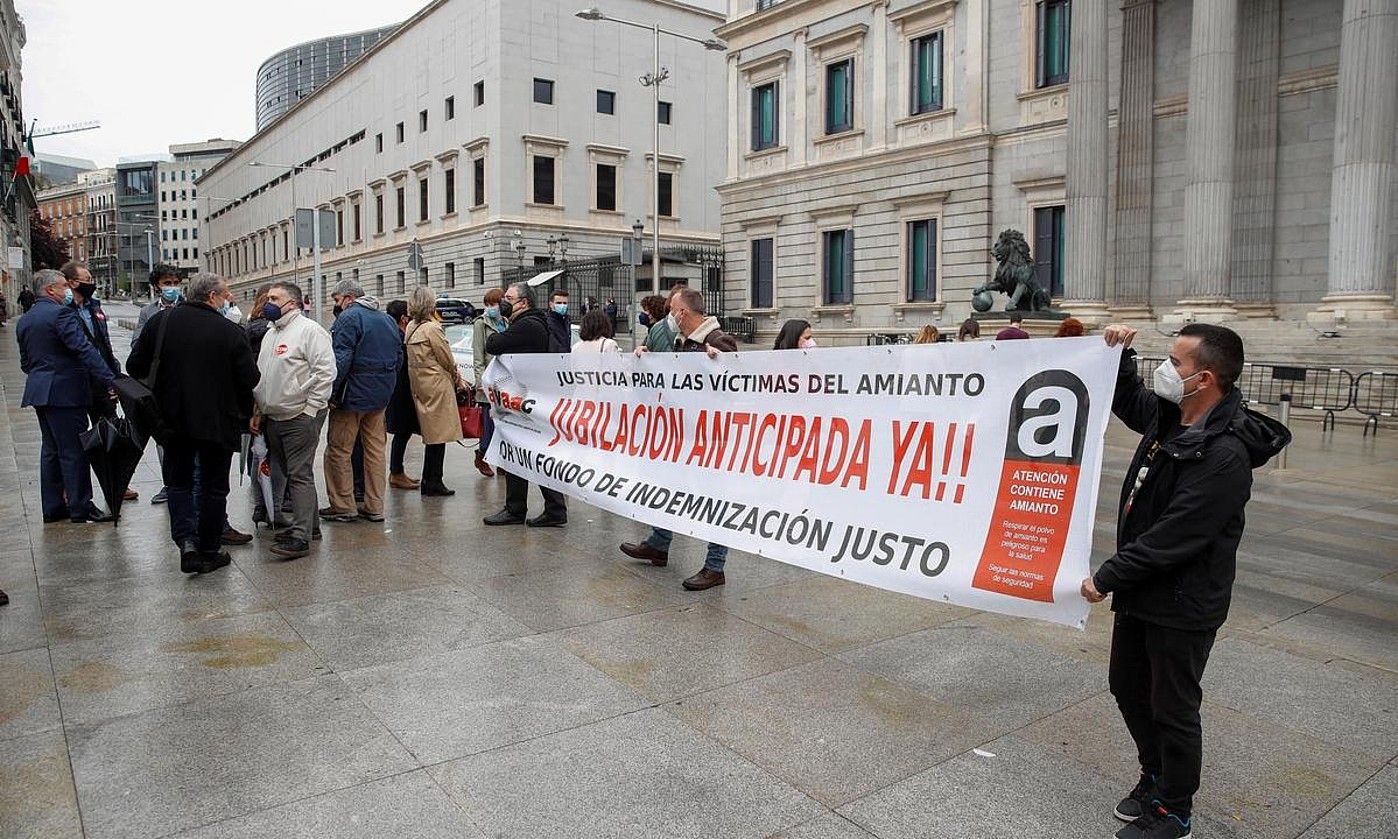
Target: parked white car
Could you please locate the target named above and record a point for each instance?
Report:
(461, 337)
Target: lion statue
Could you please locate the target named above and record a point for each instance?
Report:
(1014, 275)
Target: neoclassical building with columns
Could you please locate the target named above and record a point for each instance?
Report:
(1165, 159)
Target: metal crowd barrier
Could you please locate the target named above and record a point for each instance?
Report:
(744, 328)
(1376, 395)
(1329, 389)
(880, 339)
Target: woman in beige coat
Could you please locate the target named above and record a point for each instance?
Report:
(435, 382)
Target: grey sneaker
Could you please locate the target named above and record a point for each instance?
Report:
(1137, 802)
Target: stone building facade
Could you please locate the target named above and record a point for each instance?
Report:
(16, 189)
(179, 199)
(479, 130)
(1164, 159)
(65, 209)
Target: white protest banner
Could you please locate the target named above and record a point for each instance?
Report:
(965, 473)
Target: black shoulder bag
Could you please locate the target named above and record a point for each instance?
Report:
(138, 395)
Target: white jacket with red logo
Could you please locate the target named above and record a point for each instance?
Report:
(297, 363)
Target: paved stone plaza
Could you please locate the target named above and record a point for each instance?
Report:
(431, 677)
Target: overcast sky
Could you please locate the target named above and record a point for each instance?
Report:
(156, 72)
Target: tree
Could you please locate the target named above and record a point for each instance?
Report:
(48, 250)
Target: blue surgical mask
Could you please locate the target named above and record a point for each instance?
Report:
(223, 309)
(271, 311)
(171, 294)
(643, 319)
(492, 312)
(67, 297)
(561, 308)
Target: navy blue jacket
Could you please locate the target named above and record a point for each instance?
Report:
(60, 361)
(368, 348)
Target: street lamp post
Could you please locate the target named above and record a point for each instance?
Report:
(519, 247)
(652, 80)
(316, 281)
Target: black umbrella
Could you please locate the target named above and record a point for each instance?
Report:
(114, 448)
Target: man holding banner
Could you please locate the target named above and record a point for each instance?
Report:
(528, 333)
(696, 333)
(1180, 521)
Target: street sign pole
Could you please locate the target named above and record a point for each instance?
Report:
(317, 292)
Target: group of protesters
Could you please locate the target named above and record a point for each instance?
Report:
(388, 369)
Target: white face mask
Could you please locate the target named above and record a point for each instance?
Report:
(1167, 382)
(673, 324)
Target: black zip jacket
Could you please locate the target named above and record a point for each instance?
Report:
(1177, 544)
(528, 332)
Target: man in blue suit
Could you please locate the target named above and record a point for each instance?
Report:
(60, 363)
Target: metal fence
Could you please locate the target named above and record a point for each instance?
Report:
(1375, 396)
(1332, 390)
(593, 282)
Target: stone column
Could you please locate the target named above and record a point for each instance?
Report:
(1135, 162)
(798, 133)
(1085, 280)
(736, 116)
(876, 115)
(1255, 193)
(1361, 196)
(1210, 137)
(973, 101)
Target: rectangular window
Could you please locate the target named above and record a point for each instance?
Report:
(478, 182)
(1054, 19)
(449, 108)
(837, 262)
(480, 93)
(399, 131)
(339, 227)
(479, 267)
(402, 282)
(378, 143)
(927, 74)
(922, 260)
(422, 199)
(543, 179)
(606, 102)
(402, 208)
(606, 187)
(449, 190)
(766, 124)
(762, 273)
(667, 194)
(422, 275)
(543, 91)
(378, 282)
(664, 113)
(422, 120)
(378, 213)
(357, 213)
(839, 96)
(450, 269)
(1048, 249)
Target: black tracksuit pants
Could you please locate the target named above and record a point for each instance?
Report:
(1154, 675)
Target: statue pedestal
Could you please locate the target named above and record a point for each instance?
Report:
(1037, 324)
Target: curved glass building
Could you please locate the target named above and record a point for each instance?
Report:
(289, 76)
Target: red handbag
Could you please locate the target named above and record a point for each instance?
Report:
(472, 420)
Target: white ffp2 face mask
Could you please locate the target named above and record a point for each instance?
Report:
(1167, 383)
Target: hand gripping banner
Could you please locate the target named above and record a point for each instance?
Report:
(964, 473)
